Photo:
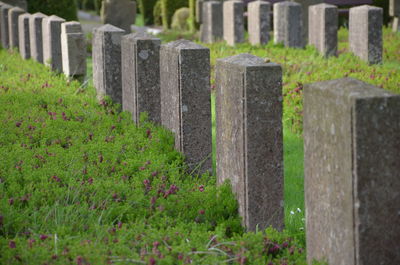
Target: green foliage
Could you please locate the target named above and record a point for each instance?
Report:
(168, 8)
(180, 19)
(63, 8)
(157, 14)
(146, 9)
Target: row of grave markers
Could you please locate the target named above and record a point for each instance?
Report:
(225, 20)
(49, 40)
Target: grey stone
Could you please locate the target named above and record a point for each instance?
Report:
(323, 28)
(305, 4)
(199, 11)
(36, 36)
(394, 8)
(19, 3)
(5, 34)
(107, 62)
(249, 137)
(24, 38)
(73, 50)
(288, 24)
(396, 24)
(233, 22)
(141, 76)
(259, 13)
(352, 173)
(365, 33)
(52, 42)
(186, 100)
(119, 13)
(212, 28)
(13, 15)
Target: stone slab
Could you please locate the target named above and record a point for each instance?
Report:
(13, 15)
(199, 11)
(73, 50)
(288, 25)
(19, 3)
(396, 24)
(394, 8)
(259, 13)
(249, 137)
(5, 34)
(119, 13)
(212, 28)
(36, 36)
(233, 18)
(24, 38)
(305, 4)
(52, 56)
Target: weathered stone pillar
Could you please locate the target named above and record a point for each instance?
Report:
(352, 173)
(5, 34)
(36, 36)
(119, 13)
(396, 24)
(13, 15)
(305, 4)
(259, 13)
(19, 3)
(323, 28)
(141, 76)
(394, 11)
(52, 42)
(288, 25)
(199, 11)
(24, 39)
(186, 100)
(107, 62)
(249, 137)
(233, 22)
(365, 33)
(212, 27)
(73, 50)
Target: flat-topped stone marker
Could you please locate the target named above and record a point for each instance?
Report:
(212, 29)
(73, 50)
(394, 8)
(119, 13)
(36, 36)
(352, 173)
(107, 62)
(259, 13)
(13, 15)
(141, 76)
(24, 38)
(52, 42)
(233, 18)
(17, 3)
(199, 11)
(249, 137)
(186, 100)
(365, 33)
(5, 33)
(305, 5)
(288, 26)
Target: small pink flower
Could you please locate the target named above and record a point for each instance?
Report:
(201, 188)
(18, 124)
(202, 212)
(11, 201)
(43, 237)
(119, 225)
(12, 244)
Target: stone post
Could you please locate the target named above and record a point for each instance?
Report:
(394, 11)
(352, 173)
(141, 76)
(249, 137)
(5, 34)
(323, 28)
(186, 100)
(365, 33)
(259, 13)
(288, 24)
(52, 42)
(19, 3)
(233, 22)
(107, 62)
(13, 15)
(24, 39)
(119, 13)
(73, 50)
(305, 4)
(36, 36)
(212, 27)
(199, 11)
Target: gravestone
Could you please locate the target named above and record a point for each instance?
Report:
(259, 13)
(119, 13)
(24, 38)
(141, 76)
(305, 5)
(233, 22)
(394, 11)
(323, 28)
(352, 173)
(17, 3)
(249, 137)
(36, 36)
(107, 62)
(199, 11)
(186, 100)
(288, 24)
(13, 15)
(365, 33)
(73, 50)
(396, 24)
(52, 42)
(212, 28)
(5, 34)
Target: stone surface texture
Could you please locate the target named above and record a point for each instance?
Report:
(233, 18)
(52, 42)
(394, 8)
(288, 24)
(4, 28)
(199, 11)
(396, 24)
(249, 137)
(107, 62)
(365, 33)
(323, 28)
(186, 100)
(259, 13)
(20, 3)
(305, 4)
(73, 50)
(13, 15)
(141, 76)
(352, 174)
(212, 28)
(36, 36)
(119, 13)
(24, 39)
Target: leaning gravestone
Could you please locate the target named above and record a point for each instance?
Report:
(352, 173)
(24, 38)
(19, 3)
(5, 34)
(259, 13)
(212, 28)
(119, 13)
(13, 15)
(249, 137)
(288, 25)
(233, 22)
(36, 36)
(52, 42)
(186, 100)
